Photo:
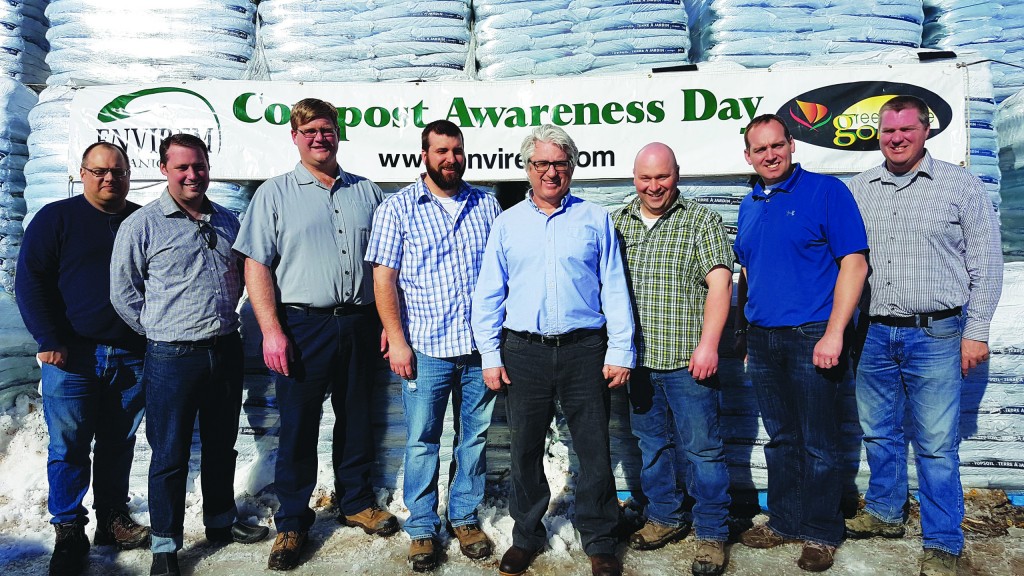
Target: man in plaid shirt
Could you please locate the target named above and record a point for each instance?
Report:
(680, 270)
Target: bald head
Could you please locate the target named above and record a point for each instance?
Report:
(655, 175)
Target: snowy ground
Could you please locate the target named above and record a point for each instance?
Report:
(26, 540)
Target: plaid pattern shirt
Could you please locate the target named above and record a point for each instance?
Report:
(667, 269)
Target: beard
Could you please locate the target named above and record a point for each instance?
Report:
(446, 182)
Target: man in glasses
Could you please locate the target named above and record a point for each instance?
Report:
(91, 360)
(553, 321)
(426, 246)
(304, 238)
(175, 280)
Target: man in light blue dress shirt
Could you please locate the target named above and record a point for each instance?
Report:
(552, 320)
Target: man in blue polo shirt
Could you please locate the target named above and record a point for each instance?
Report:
(801, 243)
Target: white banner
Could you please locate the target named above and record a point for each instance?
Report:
(832, 111)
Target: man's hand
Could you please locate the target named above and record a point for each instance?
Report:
(402, 359)
(58, 357)
(616, 375)
(828, 350)
(972, 353)
(495, 378)
(703, 362)
(277, 351)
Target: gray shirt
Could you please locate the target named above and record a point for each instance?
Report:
(934, 243)
(175, 279)
(313, 238)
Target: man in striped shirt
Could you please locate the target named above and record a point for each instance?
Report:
(936, 275)
(426, 248)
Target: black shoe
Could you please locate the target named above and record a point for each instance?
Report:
(516, 561)
(70, 549)
(116, 528)
(239, 532)
(165, 564)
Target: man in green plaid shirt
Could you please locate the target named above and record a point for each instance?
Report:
(680, 268)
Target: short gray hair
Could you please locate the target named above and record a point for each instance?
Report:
(553, 135)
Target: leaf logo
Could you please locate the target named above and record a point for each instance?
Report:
(814, 115)
(116, 109)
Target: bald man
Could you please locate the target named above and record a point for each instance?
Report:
(680, 268)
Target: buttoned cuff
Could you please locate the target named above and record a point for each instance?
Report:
(623, 358)
(976, 329)
(491, 360)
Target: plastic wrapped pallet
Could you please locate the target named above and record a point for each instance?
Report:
(132, 41)
(1010, 126)
(758, 33)
(23, 44)
(516, 39)
(348, 40)
(15, 103)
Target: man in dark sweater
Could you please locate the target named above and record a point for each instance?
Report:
(91, 360)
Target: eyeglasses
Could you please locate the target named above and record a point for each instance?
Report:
(310, 133)
(117, 173)
(208, 233)
(543, 165)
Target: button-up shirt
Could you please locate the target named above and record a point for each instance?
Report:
(438, 257)
(552, 274)
(668, 268)
(173, 278)
(934, 243)
(313, 238)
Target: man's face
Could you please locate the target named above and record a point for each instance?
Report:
(107, 190)
(445, 160)
(188, 174)
(902, 137)
(655, 175)
(317, 141)
(769, 152)
(552, 184)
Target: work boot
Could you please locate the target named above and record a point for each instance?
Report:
(373, 520)
(816, 557)
(164, 564)
(867, 525)
(709, 559)
(761, 536)
(69, 550)
(284, 555)
(473, 542)
(117, 528)
(937, 562)
(654, 535)
(422, 556)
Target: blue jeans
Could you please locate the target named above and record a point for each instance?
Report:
(336, 356)
(98, 394)
(798, 405)
(919, 367)
(425, 399)
(676, 421)
(571, 374)
(184, 380)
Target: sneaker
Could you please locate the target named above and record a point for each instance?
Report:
(373, 520)
(422, 556)
(816, 557)
(473, 542)
(653, 536)
(709, 559)
(866, 525)
(938, 563)
(284, 555)
(69, 550)
(116, 528)
(761, 536)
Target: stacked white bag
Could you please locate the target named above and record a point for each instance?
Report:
(759, 33)
(365, 40)
(23, 42)
(1010, 125)
(516, 39)
(994, 28)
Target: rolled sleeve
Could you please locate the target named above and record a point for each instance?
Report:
(385, 246)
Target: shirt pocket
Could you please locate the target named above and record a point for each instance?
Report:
(582, 244)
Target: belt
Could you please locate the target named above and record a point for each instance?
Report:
(557, 339)
(915, 321)
(205, 342)
(340, 310)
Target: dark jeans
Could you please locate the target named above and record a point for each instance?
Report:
(184, 380)
(332, 355)
(798, 408)
(98, 395)
(572, 374)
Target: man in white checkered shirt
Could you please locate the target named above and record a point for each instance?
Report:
(935, 279)
(426, 248)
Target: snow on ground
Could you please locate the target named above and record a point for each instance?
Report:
(26, 539)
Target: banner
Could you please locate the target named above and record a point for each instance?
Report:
(832, 112)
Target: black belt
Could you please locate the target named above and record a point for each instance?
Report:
(557, 339)
(340, 310)
(915, 321)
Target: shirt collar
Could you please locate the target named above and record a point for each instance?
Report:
(924, 168)
(423, 193)
(304, 176)
(169, 207)
(561, 207)
(788, 185)
(634, 207)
